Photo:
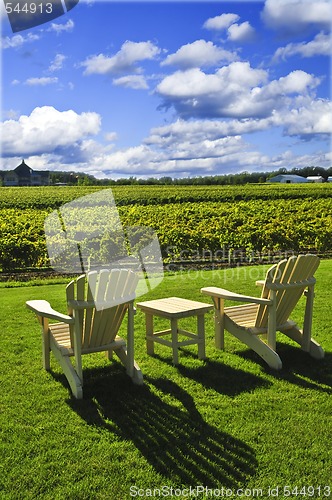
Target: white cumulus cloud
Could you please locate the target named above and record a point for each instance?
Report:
(136, 82)
(17, 40)
(46, 129)
(44, 80)
(314, 118)
(243, 32)
(198, 54)
(237, 91)
(57, 63)
(62, 28)
(319, 46)
(221, 22)
(227, 92)
(295, 15)
(123, 61)
(296, 82)
(197, 156)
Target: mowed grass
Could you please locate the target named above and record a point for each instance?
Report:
(228, 423)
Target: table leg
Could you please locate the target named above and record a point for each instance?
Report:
(149, 333)
(174, 331)
(201, 336)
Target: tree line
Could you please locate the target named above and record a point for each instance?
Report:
(226, 179)
(82, 179)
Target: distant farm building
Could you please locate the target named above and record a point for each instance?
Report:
(288, 179)
(23, 175)
(315, 178)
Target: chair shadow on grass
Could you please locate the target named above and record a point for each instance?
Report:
(161, 420)
(301, 369)
(298, 367)
(222, 378)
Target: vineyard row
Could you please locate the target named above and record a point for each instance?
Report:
(51, 197)
(188, 229)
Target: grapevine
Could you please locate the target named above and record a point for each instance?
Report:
(188, 220)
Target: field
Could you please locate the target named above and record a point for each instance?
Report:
(191, 221)
(225, 427)
(228, 424)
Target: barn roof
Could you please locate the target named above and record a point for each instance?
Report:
(23, 170)
(288, 177)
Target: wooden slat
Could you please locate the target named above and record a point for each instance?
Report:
(103, 281)
(247, 312)
(113, 294)
(104, 288)
(288, 272)
(304, 267)
(91, 292)
(70, 294)
(101, 286)
(273, 275)
(99, 314)
(110, 292)
(80, 295)
(282, 297)
(120, 289)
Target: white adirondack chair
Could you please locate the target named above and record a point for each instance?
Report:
(97, 304)
(283, 286)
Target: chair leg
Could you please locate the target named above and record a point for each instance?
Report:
(136, 374)
(313, 348)
(74, 381)
(257, 345)
(45, 343)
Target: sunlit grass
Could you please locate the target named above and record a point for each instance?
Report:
(227, 422)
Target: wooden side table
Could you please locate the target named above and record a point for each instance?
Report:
(175, 308)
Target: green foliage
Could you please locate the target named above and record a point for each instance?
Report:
(52, 197)
(188, 220)
(22, 240)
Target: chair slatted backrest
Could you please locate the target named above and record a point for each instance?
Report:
(100, 300)
(289, 278)
(302, 270)
(273, 275)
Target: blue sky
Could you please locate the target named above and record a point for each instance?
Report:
(168, 88)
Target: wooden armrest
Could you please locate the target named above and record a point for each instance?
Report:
(226, 294)
(44, 309)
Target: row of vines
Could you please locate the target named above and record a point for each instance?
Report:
(189, 221)
(53, 197)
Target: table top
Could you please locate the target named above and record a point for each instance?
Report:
(174, 307)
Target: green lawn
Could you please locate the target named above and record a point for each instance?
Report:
(228, 423)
